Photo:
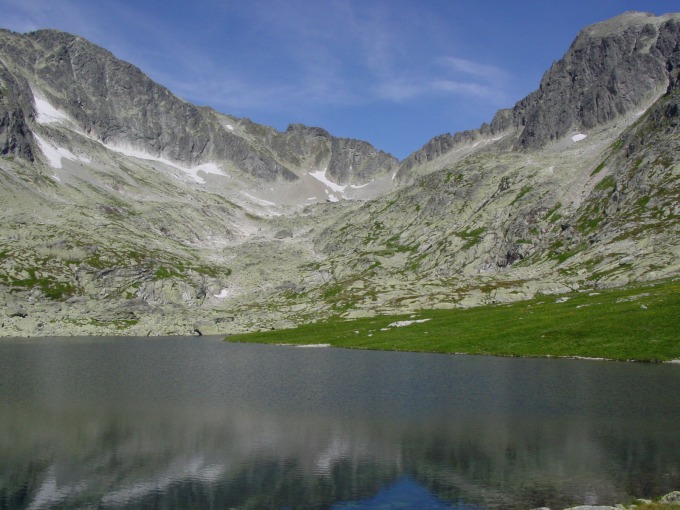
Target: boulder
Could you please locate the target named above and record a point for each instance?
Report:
(590, 507)
(283, 234)
(671, 497)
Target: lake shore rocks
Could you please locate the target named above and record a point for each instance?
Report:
(672, 498)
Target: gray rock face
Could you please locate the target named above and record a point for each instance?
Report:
(347, 161)
(612, 68)
(114, 102)
(15, 107)
(436, 147)
(356, 162)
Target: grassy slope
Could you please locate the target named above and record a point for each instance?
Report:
(639, 322)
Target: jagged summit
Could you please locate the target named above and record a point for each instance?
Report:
(612, 69)
(624, 21)
(127, 209)
(116, 104)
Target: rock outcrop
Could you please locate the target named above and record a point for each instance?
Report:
(15, 107)
(612, 69)
(114, 102)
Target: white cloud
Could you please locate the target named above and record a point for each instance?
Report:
(465, 88)
(398, 90)
(472, 68)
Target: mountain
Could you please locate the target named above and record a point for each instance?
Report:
(128, 210)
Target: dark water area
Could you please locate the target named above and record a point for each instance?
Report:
(200, 423)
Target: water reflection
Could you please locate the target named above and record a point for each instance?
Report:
(174, 424)
(404, 493)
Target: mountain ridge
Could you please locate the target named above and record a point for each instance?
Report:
(99, 91)
(539, 126)
(128, 210)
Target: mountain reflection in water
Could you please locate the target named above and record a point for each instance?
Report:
(124, 423)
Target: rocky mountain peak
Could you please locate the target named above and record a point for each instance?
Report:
(301, 129)
(115, 103)
(612, 69)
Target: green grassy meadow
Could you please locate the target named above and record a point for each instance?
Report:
(638, 322)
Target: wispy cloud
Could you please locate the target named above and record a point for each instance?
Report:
(465, 88)
(275, 56)
(472, 68)
(29, 15)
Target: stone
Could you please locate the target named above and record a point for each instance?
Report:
(209, 328)
(671, 497)
(591, 507)
(283, 234)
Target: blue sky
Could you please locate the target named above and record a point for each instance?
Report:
(392, 72)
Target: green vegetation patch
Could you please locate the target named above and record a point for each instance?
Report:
(598, 169)
(163, 273)
(522, 192)
(607, 182)
(643, 201)
(632, 323)
(558, 253)
(393, 246)
(552, 215)
(471, 237)
(49, 286)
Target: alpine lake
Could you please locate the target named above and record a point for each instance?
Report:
(178, 422)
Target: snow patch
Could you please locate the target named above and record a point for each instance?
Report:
(303, 345)
(46, 113)
(321, 176)
(578, 137)
(401, 324)
(208, 168)
(259, 200)
(359, 186)
(230, 127)
(586, 358)
(55, 154)
(223, 294)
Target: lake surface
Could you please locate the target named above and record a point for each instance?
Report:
(200, 423)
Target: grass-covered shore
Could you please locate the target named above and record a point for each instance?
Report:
(637, 322)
